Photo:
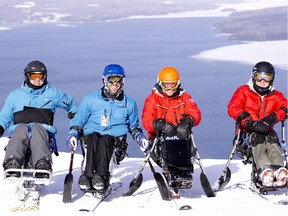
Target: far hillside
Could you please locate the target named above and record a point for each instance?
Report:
(256, 25)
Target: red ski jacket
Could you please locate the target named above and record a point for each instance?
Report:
(246, 99)
(159, 105)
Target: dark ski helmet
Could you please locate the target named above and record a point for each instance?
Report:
(263, 67)
(33, 67)
(113, 70)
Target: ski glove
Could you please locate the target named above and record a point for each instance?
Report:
(270, 120)
(242, 116)
(72, 141)
(143, 142)
(257, 126)
(169, 129)
(158, 124)
(184, 128)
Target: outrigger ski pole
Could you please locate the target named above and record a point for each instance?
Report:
(138, 179)
(226, 175)
(284, 145)
(203, 178)
(68, 182)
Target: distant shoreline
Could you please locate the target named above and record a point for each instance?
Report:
(275, 52)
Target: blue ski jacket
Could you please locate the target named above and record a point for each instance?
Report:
(47, 97)
(112, 117)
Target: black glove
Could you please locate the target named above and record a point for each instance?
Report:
(158, 124)
(257, 126)
(184, 127)
(242, 116)
(169, 129)
(1, 131)
(270, 120)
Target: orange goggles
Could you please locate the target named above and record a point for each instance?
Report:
(33, 76)
(169, 85)
(263, 76)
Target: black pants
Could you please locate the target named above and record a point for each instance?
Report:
(99, 153)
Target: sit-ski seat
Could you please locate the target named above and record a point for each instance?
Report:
(178, 168)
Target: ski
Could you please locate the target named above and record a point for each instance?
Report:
(99, 198)
(28, 197)
(261, 195)
(176, 198)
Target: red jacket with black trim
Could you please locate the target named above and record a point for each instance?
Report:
(246, 99)
(159, 105)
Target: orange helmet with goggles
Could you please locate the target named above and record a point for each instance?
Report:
(168, 78)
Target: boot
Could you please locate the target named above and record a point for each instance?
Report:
(267, 177)
(281, 175)
(100, 182)
(12, 163)
(84, 183)
(43, 164)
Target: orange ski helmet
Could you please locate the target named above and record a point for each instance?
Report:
(168, 78)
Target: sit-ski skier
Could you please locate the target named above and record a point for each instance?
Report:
(258, 106)
(28, 112)
(171, 110)
(103, 120)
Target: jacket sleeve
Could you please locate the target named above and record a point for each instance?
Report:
(149, 114)
(6, 114)
(192, 109)
(237, 103)
(66, 102)
(281, 106)
(134, 125)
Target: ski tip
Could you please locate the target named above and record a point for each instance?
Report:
(185, 207)
(283, 202)
(84, 210)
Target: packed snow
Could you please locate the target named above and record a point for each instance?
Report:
(233, 200)
(275, 52)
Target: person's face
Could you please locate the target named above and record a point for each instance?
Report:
(263, 79)
(37, 78)
(262, 84)
(169, 92)
(114, 84)
(169, 88)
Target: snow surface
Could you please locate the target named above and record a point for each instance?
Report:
(275, 52)
(147, 199)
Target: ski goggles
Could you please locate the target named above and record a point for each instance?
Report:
(263, 76)
(115, 79)
(169, 85)
(35, 75)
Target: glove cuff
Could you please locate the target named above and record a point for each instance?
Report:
(242, 116)
(140, 137)
(73, 132)
(188, 121)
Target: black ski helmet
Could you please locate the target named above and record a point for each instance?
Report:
(35, 66)
(263, 67)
